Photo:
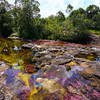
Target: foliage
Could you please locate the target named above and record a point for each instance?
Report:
(14, 35)
(75, 32)
(29, 11)
(93, 16)
(23, 19)
(69, 8)
(5, 19)
(60, 16)
(94, 32)
(92, 10)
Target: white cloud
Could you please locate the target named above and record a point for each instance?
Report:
(49, 7)
(84, 3)
(97, 2)
(11, 1)
(78, 3)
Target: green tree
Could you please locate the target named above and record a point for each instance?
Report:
(93, 16)
(60, 16)
(76, 13)
(29, 11)
(69, 8)
(5, 19)
(96, 21)
(76, 27)
(92, 10)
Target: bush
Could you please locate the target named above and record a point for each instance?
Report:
(75, 32)
(14, 35)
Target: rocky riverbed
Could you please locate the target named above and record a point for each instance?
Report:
(49, 70)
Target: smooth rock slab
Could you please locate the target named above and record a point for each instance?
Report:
(27, 46)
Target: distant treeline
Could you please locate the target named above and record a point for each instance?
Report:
(23, 19)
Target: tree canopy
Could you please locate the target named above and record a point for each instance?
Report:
(23, 17)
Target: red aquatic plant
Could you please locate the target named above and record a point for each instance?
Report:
(3, 38)
(60, 43)
(30, 68)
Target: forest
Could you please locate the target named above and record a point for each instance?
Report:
(23, 19)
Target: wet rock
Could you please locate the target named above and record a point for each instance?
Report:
(95, 66)
(96, 51)
(6, 94)
(46, 59)
(80, 60)
(84, 51)
(3, 68)
(86, 75)
(94, 80)
(72, 90)
(39, 54)
(84, 64)
(38, 48)
(15, 38)
(27, 46)
(53, 50)
(94, 84)
(95, 38)
(3, 64)
(61, 60)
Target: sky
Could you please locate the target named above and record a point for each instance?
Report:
(51, 7)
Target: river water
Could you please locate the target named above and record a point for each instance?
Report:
(55, 83)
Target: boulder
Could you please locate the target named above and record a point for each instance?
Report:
(63, 59)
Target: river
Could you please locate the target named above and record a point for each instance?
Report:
(52, 82)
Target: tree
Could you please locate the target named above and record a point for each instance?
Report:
(92, 10)
(5, 19)
(29, 11)
(77, 12)
(96, 21)
(69, 8)
(60, 16)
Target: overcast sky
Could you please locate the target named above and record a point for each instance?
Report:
(51, 7)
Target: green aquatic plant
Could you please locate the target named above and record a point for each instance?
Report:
(11, 55)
